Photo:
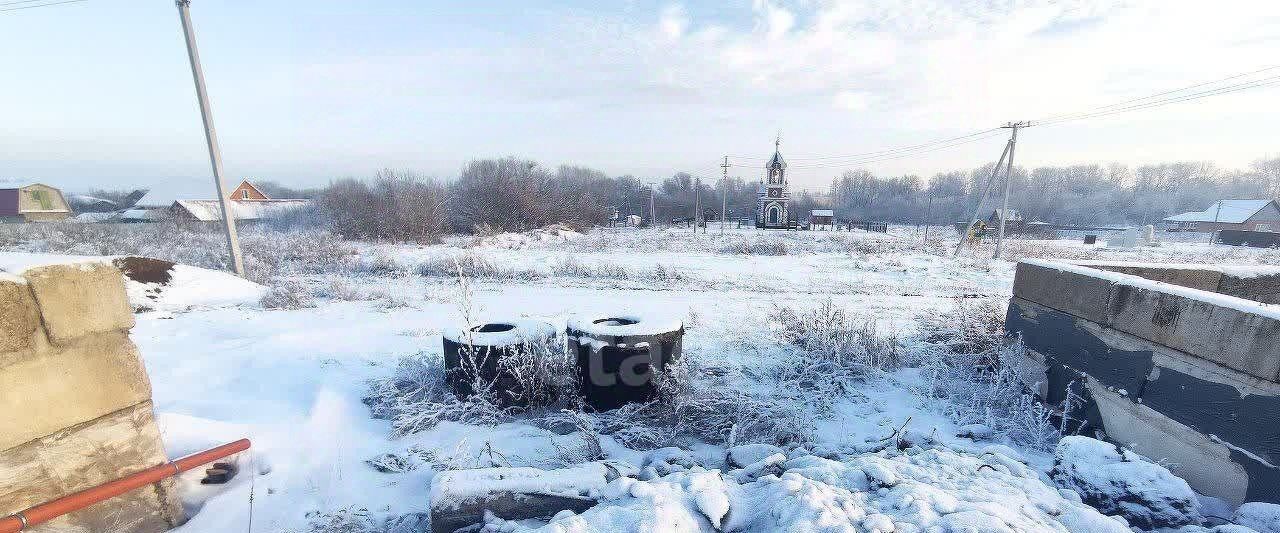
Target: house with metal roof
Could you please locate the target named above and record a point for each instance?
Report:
(36, 202)
(1241, 215)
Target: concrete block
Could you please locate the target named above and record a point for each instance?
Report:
(1207, 465)
(1195, 278)
(18, 315)
(459, 498)
(1083, 296)
(78, 299)
(1242, 341)
(85, 455)
(57, 387)
(1264, 288)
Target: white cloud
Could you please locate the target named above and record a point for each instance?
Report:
(673, 22)
(943, 63)
(851, 100)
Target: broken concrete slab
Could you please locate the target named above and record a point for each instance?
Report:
(459, 498)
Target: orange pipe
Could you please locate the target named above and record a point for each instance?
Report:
(73, 502)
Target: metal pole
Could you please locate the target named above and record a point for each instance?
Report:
(1008, 177)
(964, 236)
(211, 137)
(724, 194)
(697, 200)
(653, 213)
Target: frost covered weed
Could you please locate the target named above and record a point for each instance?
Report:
(287, 294)
(835, 340)
(267, 252)
(361, 520)
(755, 247)
(416, 398)
(973, 372)
(473, 266)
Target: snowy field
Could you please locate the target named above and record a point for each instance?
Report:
(897, 443)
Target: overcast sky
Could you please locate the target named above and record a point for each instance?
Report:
(99, 93)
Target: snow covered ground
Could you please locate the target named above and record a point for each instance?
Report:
(294, 380)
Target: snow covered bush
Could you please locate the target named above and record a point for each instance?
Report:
(287, 294)
(1117, 481)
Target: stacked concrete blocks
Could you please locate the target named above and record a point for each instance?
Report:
(1174, 369)
(75, 401)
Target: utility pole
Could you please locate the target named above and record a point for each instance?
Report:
(1008, 178)
(697, 203)
(995, 171)
(928, 217)
(211, 137)
(724, 194)
(653, 213)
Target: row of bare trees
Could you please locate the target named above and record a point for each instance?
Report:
(512, 194)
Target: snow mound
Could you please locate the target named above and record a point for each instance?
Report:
(183, 287)
(553, 234)
(931, 490)
(1118, 481)
(1262, 517)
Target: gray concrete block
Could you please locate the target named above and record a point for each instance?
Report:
(1265, 289)
(1196, 278)
(1080, 295)
(459, 498)
(86, 455)
(1242, 341)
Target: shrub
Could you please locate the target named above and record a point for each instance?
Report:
(397, 206)
(287, 294)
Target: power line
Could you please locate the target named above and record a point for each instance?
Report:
(1254, 84)
(1134, 100)
(877, 152)
(38, 5)
(994, 132)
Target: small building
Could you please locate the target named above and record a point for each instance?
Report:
(822, 218)
(36, 202)
(1238, 215)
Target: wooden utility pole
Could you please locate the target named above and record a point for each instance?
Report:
(724, 194)
(211, 138)
(1008, 178)
(964, 235)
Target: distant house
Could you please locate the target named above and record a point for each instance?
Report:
(33, 203)
(822, 217)
(1241, 215)
(247, 203)
(1014, 217)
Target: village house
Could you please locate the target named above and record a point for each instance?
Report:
(33, 203)
(1239, 215)
(247, 202)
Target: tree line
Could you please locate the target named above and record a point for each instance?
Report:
(512, 194)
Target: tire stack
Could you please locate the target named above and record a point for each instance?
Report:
(618, 355)
(471, 353)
